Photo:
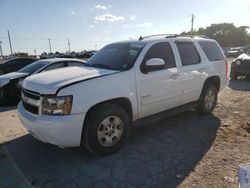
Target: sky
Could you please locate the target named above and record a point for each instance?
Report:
(91, 24)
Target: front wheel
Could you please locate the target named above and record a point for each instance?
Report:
(106, 129)
(208, 99)
(3, 96)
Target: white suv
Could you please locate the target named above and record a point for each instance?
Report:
(95, 104)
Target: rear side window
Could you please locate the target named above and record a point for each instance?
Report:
(55, 66)
(188, 53)
(74, 63)
(212, 50)
(162, 51)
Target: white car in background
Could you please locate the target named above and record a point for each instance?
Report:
(96, 104)
(10, 83)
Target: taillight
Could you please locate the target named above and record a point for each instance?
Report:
(226, 64)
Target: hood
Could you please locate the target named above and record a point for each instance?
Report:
(49, 82)
(244, 56)
(6, 78)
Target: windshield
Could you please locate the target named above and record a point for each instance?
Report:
(33, 67)
(119, 56)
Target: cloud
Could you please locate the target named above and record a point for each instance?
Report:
(108, 18)
(91, 26)
(132, 17)
(145, 25)
(72, 12)
(141, 25)
(107, 31)
(101, 7)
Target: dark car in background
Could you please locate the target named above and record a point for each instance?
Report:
(234, 52)
(240, 66)
(10, 84)
(15, 64)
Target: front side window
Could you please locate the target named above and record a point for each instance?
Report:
(119, 56)
(188, 53)
(162, 51)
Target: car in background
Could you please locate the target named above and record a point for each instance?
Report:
(15, 64)
(10, 84)
(240, 66)
(234, 52)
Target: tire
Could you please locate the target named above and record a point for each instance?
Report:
(1, 72)
(106, 129)
(208, 99)
(3, 96)
(233, 75)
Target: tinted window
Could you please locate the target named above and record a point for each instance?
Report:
(33, 67)
(25, 61)
(55, 66)
(212, 50)
(11, 62)
(162, 51)
(119, 56)
(188, 53)
(74, 63)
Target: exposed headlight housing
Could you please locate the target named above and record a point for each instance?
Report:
(57, 105)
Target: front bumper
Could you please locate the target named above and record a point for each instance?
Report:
(241, 70)
(63, 131)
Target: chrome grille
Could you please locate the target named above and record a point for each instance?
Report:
(31, 101)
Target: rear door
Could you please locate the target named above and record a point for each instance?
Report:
(191, 70)
(158, 90)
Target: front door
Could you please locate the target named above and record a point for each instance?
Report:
(158, 90)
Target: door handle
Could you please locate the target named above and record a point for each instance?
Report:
(174, 76)
(201, 70)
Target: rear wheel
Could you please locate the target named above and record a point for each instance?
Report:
(208, 99)
(1, 72)
(106, 129)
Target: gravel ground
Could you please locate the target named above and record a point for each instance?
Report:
(186, 150)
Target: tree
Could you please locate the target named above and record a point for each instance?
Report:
(226, 34)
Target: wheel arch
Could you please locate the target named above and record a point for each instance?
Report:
(215, 80)
(124, 102)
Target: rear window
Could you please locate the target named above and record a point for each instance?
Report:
(212, 50)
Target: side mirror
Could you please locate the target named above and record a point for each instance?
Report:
(153, 64)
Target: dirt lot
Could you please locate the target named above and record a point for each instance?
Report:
(186, 150)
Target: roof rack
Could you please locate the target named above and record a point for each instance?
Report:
(193, 36)
(159, 35)
(173, 36)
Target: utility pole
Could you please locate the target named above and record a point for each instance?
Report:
(35, 52)
(1, 49)
(49, 46)
(69, 45)
(11, 52)
(192, 23)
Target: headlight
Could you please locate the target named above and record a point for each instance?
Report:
(57, 105)
(237, 62)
